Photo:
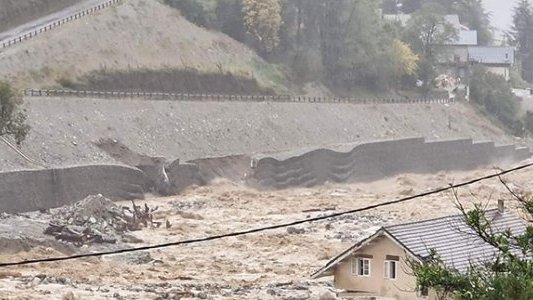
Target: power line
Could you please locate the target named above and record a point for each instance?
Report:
(267, 228)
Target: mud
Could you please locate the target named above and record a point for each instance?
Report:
(269, 265)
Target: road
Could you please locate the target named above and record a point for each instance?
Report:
(43, 21)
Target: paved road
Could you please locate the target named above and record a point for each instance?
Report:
(43, 21)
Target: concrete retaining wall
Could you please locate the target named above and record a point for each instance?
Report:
(42, 189)
(374, 161)
(31, 190)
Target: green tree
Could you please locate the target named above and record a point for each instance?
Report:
(522, 37)
(263, 21)
(194, 11)
(356, 45)
(406, 61)
(493, 93)
(426, 33)
(230, 19)
(473, 14)
(12, 118)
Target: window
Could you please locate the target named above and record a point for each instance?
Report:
(361, 266)
(390, 269)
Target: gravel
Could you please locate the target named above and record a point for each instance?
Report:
(191, 130)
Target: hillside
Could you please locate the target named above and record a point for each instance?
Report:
(64, 130)
(137, 35)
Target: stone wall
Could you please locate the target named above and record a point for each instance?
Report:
(375, 161)
(30, 190)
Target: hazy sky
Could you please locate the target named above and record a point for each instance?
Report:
(501, 12)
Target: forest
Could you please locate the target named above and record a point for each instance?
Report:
(343, 43)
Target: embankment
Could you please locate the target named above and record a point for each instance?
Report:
(375, 161)
(30, 190)
(65, 131)
(42, 189)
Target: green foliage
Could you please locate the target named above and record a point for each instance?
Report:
(426, 32)
(263, 21)
(470, 12)
(229, 19)
(494, 94)
(474, 16)
(343, 43)
(12, 119)
(509, 276)
(199, 12)
(516, 80)
(67, 83)
(528, 121)
(522, 37)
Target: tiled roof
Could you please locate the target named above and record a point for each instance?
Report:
(455, 243)
(491, 55)
(466, 38)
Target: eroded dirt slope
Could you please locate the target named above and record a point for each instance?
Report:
(64, 130)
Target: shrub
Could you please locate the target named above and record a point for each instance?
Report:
(194, 11)
(494, 95)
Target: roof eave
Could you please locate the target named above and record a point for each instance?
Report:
(337, 259)
(327, 270)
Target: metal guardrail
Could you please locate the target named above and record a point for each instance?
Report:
(19, 39)
(226, 98)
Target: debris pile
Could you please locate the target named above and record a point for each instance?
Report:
(97, 219)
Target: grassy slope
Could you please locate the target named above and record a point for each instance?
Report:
(136, 35)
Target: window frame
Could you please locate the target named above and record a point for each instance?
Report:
(358, 263)
(387, 265)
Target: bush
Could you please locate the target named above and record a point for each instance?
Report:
(194, 11)
(528, 121)
(12, 118)
(493, 93)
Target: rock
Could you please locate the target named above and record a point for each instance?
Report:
(201, 295)
(190, 215)
(50, 280)
(327, 295)
(293, 230)
(36, 281)
(128, 238)
(41, 276)
(301, 287)
(271, 292)
(136, 258)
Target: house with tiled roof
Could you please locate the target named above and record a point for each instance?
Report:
(378, 266)
(464, 51)
(498, 60)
